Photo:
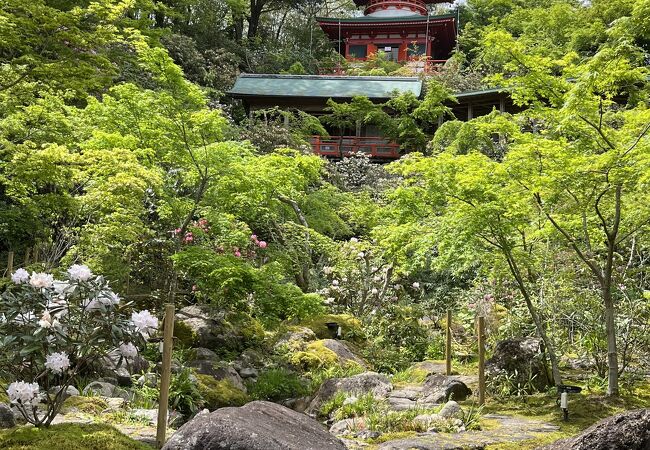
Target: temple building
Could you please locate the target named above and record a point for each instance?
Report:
(402, 29)
(406, 33)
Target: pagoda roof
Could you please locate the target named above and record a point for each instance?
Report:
(428, 2)
(388, 20)
(319, 86)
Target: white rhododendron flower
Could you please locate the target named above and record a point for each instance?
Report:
(354, 240)
(41, 280)
(22, 392)
(128, 350)
(416, 285)
(46, 320)
(57, 362)
(374, 291)
(335, 282)
(361, 255)
(144, 322)
(91, 304)
(79, 272)
(327, 270)
(20, 276)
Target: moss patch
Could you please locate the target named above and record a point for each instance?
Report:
(68, 437)
(185, 334)
(315, 356)
(220, 393)
(89, 405)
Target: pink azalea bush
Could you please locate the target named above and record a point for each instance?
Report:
(52, 330)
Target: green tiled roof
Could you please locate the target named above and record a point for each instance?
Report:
(373, 19)
(248, 85)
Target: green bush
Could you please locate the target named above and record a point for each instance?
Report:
(184, 395)
(68, 437)
(220, 393)
(278, 384)
(185, 334)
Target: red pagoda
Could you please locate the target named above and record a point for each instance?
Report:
(402, 29)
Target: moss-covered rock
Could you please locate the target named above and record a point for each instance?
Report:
(220, 393)
(68, 437)
(351, 328)
(186, 336)
(315, 356)
(89, 405)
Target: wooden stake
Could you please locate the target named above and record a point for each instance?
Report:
(165, 376)
(27, 254)
(10, 263)
(481, 360)
(35, 254)
(448, 343)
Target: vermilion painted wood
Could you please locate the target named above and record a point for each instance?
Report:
(337, 146)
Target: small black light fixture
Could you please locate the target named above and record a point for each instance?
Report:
(335, 329)
(564, 390)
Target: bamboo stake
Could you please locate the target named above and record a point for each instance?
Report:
(165, 376)
(481, 360)
(448, 343)
(10, 263)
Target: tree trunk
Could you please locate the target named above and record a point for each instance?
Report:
(254, 18)
(539, 326)
(612, 355)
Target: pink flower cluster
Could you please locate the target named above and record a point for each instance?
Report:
(260, 244)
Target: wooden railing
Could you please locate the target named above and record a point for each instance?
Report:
(340, 146)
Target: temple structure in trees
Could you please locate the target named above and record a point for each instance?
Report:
(405, 32)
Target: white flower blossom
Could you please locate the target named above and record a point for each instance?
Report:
(327, 270)
(20, 276)
(41, 280)
(91, 304)
(329, 301)
(354, 240)
(416, 285)
(79, 272)
(335, 282)
(144, 322)
(374, 291)
(23, 393)
(128, 350)
(377, 278)
(361, 255)
(57, 362)
(46, 320)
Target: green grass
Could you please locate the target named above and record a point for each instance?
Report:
(585, 409)
(68, 437)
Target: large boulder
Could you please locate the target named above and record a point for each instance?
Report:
(104, 389)
(255, 426)
(364, 383)
(343, 352)
(208, 327)
(522, 358)
(206, 362)
(441, 388)
(626, 431)
(295, 338)
(7, 419)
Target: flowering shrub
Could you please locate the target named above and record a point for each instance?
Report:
(51, 330)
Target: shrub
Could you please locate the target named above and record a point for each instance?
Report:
(277, 384)
(220, 393)
(52, 330)
(184, 394)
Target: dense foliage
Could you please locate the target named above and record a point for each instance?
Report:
(120, 150)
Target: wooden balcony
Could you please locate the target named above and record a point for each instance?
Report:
(417, 6)
(341, 146)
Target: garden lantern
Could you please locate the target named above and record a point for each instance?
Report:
(334, 329)
(564, 390)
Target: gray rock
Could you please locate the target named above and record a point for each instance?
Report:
(7, 419)
(401, 404)
(296, 339)
(70, 391)
(148, 379)
(205, 353)
(343, 353)
(428, 420)
(219, 371)
(523, 356)
(255, 426)
(364, 383)
(451, 410)
(248, 372)
(150, 415)
(367, 434)
(299, 404)
(342, 427)
(440, 388)
(104, 389)
(629, 430)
